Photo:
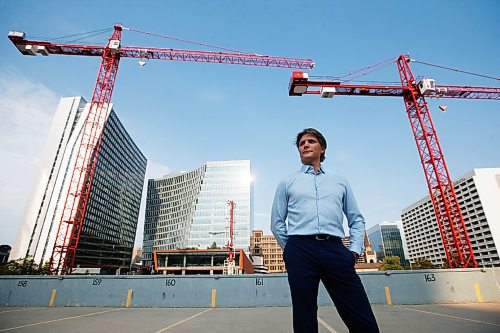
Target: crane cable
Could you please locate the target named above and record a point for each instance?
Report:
(373, 70)
(374, 67)
(186, 41)
(368, 67)
(455, 70)
(94, 33)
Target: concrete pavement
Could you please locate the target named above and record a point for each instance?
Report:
(457, 318)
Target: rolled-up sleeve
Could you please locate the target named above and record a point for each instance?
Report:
(355, 220)
(279, 213)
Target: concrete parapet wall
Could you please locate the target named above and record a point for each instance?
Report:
(392, 287)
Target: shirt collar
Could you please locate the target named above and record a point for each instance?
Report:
(310, 169)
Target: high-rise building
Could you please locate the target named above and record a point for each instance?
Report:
(110, 222)
(270, 251)
(387, 239)
(478, 194)
(190, 209)
(4, 253)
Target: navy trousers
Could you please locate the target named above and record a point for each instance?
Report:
(307, 262)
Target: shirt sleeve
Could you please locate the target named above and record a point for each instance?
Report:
(279, 213)
(355, 221)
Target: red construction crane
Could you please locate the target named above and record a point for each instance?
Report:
(64, 251)
(229, 264)
(449, 217)
(230, 243)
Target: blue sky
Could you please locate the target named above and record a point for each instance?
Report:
(184, 114)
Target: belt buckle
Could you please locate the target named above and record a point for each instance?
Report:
(322, 237)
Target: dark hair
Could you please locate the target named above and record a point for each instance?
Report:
(314, 132)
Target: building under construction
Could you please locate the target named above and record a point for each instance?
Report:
(201, 262)
(110, 222)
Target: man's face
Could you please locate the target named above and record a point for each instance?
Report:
(310, 150)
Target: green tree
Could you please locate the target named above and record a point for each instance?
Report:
(391, 263)
(44, 269)
(422, 263)
(444, 265)
(214, 246)
(24, 266)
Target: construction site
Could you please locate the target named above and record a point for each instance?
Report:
(453, 231)
(198, 271)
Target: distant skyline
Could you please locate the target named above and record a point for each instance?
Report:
(183, 114)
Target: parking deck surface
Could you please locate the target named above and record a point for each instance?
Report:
(457, 318)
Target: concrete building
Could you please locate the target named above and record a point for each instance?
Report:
(4, 253)
(388, 239)
(199, 262)
(478, 194)
(111, 217)
(136, 264)
(190, 209)
(271, 252)
(257, 259)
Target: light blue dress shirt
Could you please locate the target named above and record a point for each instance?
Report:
(315, 203)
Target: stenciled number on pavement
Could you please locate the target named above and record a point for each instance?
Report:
(429, 277)
(259, 281)
(170, 282)
(22, 283)
(96, 282)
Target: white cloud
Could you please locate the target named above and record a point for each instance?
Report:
(153, 170)
(26, 111)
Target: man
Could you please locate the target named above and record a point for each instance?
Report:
(314, 202)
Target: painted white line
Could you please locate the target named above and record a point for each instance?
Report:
(448, 316)
(182, 321)
(325, 325)
(56, 320)
(25, 309)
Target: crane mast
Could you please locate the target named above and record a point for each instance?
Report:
(63, 255)
(70, 225)
(452, 228)
(451, 224)
(230, 265)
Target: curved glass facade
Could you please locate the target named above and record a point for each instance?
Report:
(223, 181)
(190, 209)
(170, 205)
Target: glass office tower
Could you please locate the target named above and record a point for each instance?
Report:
(190, 209)
(110, 222)
(387, 239)
(108, 232)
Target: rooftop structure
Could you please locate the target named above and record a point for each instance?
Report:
(199, 262)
